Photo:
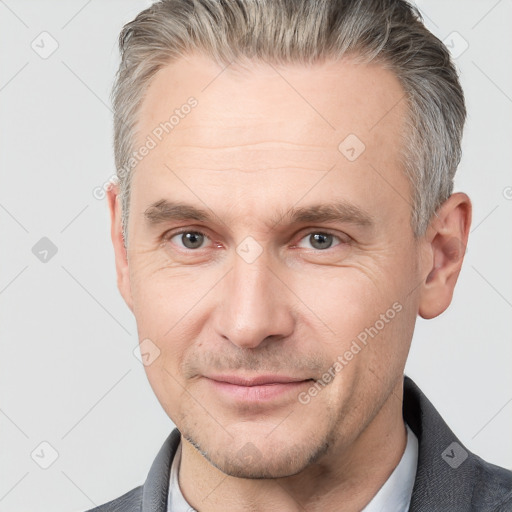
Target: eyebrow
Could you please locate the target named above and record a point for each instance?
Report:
(164, 210)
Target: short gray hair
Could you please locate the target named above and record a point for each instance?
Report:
(389, 32)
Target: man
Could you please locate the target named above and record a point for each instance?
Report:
(284, 212)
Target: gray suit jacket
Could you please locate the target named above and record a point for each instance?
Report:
(449, 478)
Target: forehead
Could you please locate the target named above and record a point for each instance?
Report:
(273, 126)
(317, 103)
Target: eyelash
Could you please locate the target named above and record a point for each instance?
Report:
(167, 236)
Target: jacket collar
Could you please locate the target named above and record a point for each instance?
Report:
(156, 487)
(447, 471)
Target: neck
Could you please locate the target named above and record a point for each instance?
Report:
(346, 475)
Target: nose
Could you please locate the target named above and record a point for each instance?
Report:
(254, 305)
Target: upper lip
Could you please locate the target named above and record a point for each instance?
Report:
(258, 380)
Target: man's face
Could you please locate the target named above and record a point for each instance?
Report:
(262, 286)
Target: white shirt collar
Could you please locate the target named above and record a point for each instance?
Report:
(396, 492)
(394, 495)
(175, 500)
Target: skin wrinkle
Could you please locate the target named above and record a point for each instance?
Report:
(163, 211)
(254, 161)
(293, 310)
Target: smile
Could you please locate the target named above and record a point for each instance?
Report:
(262, 388)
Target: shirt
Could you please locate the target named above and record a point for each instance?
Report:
(395, 494)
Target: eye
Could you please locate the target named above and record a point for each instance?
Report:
(318, 240)
(193, 240)
(188, 239)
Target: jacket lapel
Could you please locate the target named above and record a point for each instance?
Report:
(156, 487)
(446, 472)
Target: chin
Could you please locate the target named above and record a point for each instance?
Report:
(261, 459)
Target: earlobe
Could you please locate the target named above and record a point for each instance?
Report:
(447, 240)
(120, 251)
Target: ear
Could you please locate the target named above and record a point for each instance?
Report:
(121, 256)
(446, 241)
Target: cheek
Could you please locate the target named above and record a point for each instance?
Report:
(361, 318)
(165, 304)
(341, 301)
(163, 295)
(166, 386)
(171, 343)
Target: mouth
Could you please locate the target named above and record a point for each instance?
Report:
(257, 389)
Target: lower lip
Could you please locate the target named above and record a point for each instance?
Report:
(257, 394)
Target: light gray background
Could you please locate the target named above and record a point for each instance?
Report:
(68, 374)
